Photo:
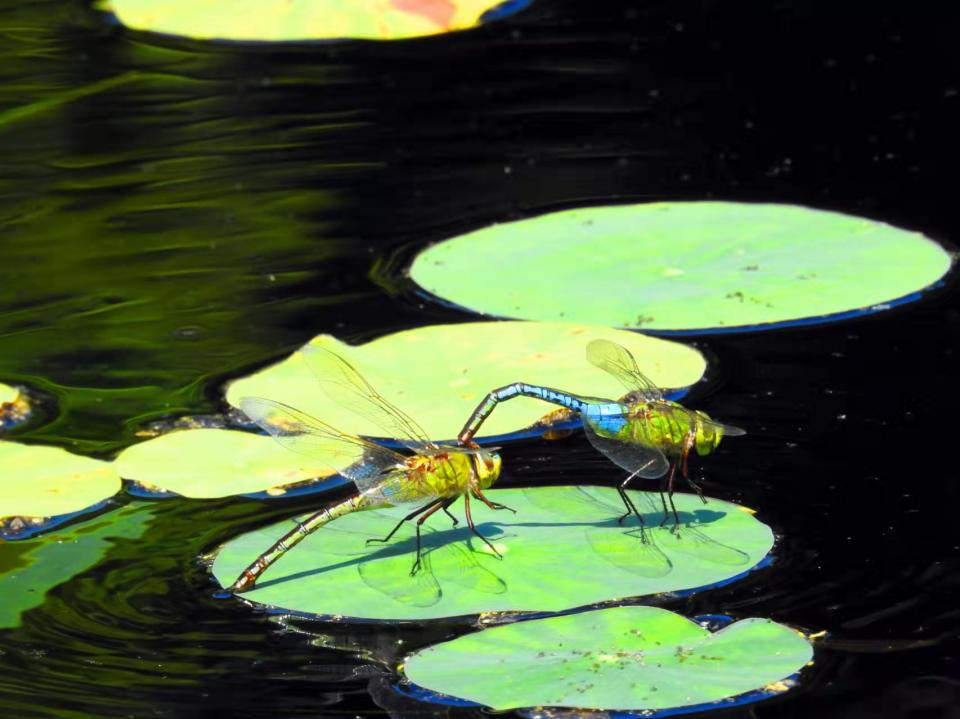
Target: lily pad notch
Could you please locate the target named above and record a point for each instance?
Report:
(633, 658)
(685, 268)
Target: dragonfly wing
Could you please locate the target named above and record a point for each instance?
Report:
(616, 360)
(362, 462)
(346, 386)
(643, 460)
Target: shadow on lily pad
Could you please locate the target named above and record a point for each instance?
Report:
(562, 549)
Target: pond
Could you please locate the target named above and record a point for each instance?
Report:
(175, 214)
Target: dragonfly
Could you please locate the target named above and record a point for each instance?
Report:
(644, 433)
(431, 478)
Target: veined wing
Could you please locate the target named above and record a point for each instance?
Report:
(364, 463)
(347, 387)
(643, 460)
(616, 360)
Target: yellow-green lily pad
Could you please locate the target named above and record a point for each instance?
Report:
(303, 20)
(38, 481)
(438, 374)
(683, 266)
(31, 567)
(623, 658)
(205, 463)
(564, 548)
(8, 394)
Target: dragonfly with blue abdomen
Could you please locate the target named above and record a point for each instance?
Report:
(644, 433)
(433, 476)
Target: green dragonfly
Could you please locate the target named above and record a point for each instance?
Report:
(644, 433)
(431, 478)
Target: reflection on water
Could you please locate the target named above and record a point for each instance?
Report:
(162, 231)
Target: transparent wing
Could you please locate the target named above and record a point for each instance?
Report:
(364, 463)
(646, 461)
(346, 386)
(616, 360)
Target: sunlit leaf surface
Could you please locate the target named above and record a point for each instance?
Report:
(694, 266)
(629, 658)
(437, 374)
(286, 20)
(7, 393)
(217, 463)
(562, 549)
(38, 481)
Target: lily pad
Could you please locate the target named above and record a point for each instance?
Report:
(37, 481)
(683, 266)
(562, 549)
(300, 20)
(628, 658)
(205, 463)
(438, 374)
(30, 568)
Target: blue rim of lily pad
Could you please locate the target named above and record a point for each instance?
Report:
(316, 487)
(714, 622)
(861, 312)
(55, 521)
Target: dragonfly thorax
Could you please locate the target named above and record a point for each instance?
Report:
(708, 434)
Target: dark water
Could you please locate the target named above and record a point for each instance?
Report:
(225, 204)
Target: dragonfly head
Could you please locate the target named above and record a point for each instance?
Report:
(708, 435)
(487, 466)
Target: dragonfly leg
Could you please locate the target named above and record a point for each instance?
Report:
(493, 505)
(414, 513)
(687, 446)
(429, 509)
(446, 511)
(627, 502)
(668, 486)
(473, 528)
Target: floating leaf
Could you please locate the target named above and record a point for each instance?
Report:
(691, 266)
(292, 20)
(562, 549)
(30, 568)
(8, 394)
(217, 463)
(627, 658)
(37, 481)
(438, 374)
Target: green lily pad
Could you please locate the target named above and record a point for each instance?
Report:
(37, 481)
(30, 568)
(8, 394)
(438, 374)
(690, 266)
(206, 463)
(562, 549)
(299, 20)
(627, 658)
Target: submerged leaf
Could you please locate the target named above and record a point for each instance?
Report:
(627, 658)
(217, 463)
(438, 374)
(562, 549)
(693, 266)
(37, 481)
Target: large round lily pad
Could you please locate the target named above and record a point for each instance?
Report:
(562, 549)
(217, 463)
(628, 658)
(30, 568)
(299, 20)
(691, 266)
(37, 481)
(438, 374)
